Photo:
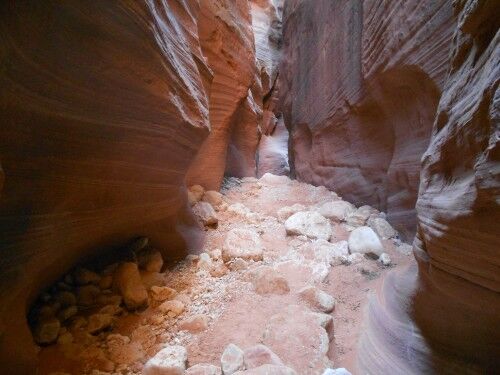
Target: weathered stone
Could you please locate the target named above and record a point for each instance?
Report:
(317, 299)
(383, 229)
(46, 331)
(106, 282)
(162, 293)
(111, 310)
(310, 224)
(363, 240)
(205, 213)
(214, 198)
(151, 279)
(87, 295)
(259, 355)
(336, 210)
(195, 324)
(327, 252)
(336, 371)
(83, 276)
(127, 281)
(150, 260)
(67, 313)
(195, 194)
(242, 243)
(268, 369)
(204, 262)
(99, 322)
(285, 212)
(172, 308)
(204, 369)
(168, 361)
(385, 259)
(232, 360)
(269, 281)
(66, 298)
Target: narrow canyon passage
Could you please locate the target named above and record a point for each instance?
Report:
(249, 187)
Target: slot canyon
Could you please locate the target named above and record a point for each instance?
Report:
(261, 187)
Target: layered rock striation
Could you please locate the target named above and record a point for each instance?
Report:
(360, 82)
(103, 108)
(443, 317)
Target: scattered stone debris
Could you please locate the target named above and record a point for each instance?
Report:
(279, 259)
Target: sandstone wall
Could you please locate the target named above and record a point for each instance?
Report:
(227, 41)
(443, 318)
(360, 82)
(103, 109)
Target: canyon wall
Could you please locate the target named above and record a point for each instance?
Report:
(227, 41)
(103, 109)
(443, 318)
(360, 82)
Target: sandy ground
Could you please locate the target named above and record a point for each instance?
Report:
(237, 314)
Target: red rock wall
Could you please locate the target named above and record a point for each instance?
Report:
(227, 41)
(443, 317)
(360, 82)
(103, 109)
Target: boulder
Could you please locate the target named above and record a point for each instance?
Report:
(327, 252)
(242, 243)
(168, 361)
(232, 360)
(46, 331)
(213, 197)
(336, 210)
(269, 281)
(83, 276)
(259, 355)
(285, 212)
(310, 224)
(150, 260)
(127, 281)
(364, 240)
(385, 259)
(162, 293)
(87, 295)
(383, 229)
(172, 308)
(317, 299)
(99, 322)
(204, 369)
(205, 213)
(195, 194)
(268, 370)
(195, 324)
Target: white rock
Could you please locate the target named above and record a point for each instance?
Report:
(336, 371)
(259, 355)
(336, 210)
(204, 369)
(168, 361)
(328, 252)
(359, 217)
(242, 243)
(204, 262)
(317, 299)
(232, 360)
(268, 369)
(205, 213)
(352, 259)
(310, 224)
(364, 240)
(385, 259)
(382, 228)
(285, 212)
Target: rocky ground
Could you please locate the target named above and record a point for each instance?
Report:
(279, 289)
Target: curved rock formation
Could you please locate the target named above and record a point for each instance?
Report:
(227, 41)
(103, 108)
(360, 82)
(443, 318)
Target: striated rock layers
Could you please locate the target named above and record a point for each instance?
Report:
(227, 41)
(103, 108)
(443, 318)
(360, 82)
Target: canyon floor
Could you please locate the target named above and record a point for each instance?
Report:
(242, 301)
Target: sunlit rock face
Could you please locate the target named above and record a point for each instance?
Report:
(443, 317)
(272, 154)
(227, 42)
(360, 82)
(103, 109)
